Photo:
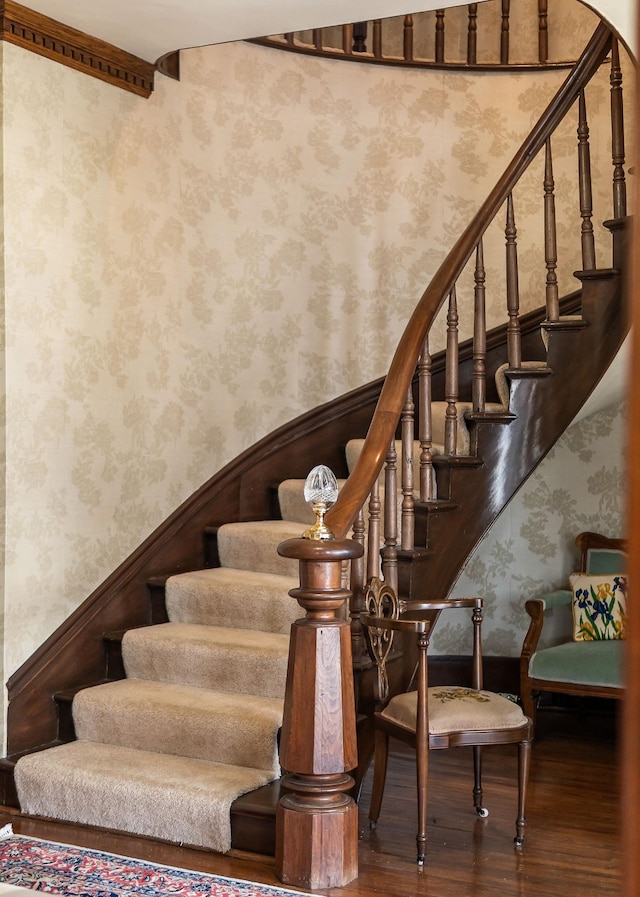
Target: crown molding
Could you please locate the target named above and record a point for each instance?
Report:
(40, 34)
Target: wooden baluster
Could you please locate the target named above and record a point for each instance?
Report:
(424, 424)
(513, 291)
(316, 819)
(356, 603)
(439, 35)
(451, 378)
(584, 180)
(479, 381)
(407, 41)
(360, 37)
(550, 242)
(617, 135)
(472, 35)
(407, 520)
(543, 32)
(377, 38)
(317, 38)
(390, 550)
(347, 40)
(504, 33)
(374, 541)
(290, 38)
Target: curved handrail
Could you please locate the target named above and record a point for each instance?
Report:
(392, 397)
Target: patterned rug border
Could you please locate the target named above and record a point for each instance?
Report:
(54, 868)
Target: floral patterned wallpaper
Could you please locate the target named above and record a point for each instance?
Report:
(184, 274)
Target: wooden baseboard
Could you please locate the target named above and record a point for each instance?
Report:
(46, 37)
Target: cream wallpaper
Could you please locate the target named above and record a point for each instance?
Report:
(186, 273)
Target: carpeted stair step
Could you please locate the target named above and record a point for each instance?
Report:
(237, 729)
(225, 659)
(292, 504)
(240, 599)
(177, 799)
(253, 546)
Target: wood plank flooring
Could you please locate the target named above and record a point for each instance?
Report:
(571, 847)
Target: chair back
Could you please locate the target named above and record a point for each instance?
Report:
(602, 555)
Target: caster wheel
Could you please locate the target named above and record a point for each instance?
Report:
(482, 812)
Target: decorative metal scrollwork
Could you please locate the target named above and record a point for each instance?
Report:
(380, 600)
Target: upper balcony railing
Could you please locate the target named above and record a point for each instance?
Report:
(497, 34)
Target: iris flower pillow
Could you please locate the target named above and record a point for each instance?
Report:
(599, 606)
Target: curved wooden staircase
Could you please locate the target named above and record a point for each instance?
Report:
(514, 390)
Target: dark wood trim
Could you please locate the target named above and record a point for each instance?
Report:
(169, 65)
(46, 37)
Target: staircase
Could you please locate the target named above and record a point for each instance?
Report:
(169, 681)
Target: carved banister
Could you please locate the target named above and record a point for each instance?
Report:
(585, 188)
(472, 34)
(479, 382)
(387, 413)
(407, 39)
(373, 556)
(390, 549)
(407, 527)
(543, 31)
(377, 38)
(424, 424)
(360, 37)
(617, 135)
(550, 238)
(513, 290)
(439, 54)
(504, 32)
(451, 377)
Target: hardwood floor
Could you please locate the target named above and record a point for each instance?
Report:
(571, 848)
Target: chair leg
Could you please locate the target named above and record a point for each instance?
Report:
(381, 757)
(477, 782)
(422, 773)
(524, 761)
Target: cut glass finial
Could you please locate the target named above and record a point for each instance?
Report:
(320, 493)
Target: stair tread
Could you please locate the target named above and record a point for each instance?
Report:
(183, 720)
(179, 799)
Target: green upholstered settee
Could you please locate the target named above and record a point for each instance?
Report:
(591, 668)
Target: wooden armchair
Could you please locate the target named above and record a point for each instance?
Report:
(441, 717)
(589, 668)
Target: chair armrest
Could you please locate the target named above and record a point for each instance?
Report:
(417, 616)
(559, 598)
(536, 608)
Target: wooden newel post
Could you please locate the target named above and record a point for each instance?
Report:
(317, 820)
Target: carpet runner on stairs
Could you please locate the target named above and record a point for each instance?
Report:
(166, 751)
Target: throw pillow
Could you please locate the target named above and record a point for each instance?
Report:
(599, 606)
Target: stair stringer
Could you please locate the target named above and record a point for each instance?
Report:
(543, 407)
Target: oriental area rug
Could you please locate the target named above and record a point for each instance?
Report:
(28, 864)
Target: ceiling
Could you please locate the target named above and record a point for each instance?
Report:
(151, 28)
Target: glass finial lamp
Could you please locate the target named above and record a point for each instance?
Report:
(320, 493)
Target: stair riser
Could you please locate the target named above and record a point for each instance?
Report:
(226, 731)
